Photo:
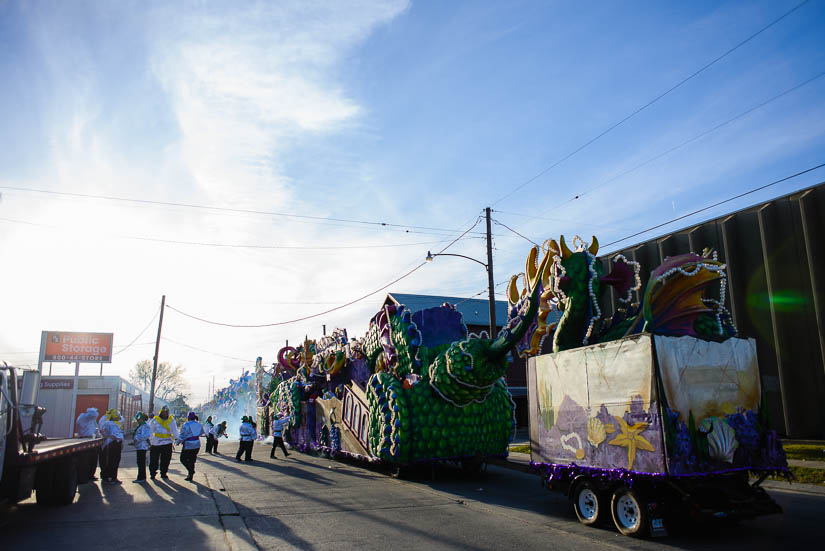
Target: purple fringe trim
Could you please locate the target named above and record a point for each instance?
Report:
(556, 471)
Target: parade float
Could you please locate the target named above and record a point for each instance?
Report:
(651, 414)
(416, 388)
(234, 401)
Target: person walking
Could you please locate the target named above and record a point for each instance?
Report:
(112, 446)
(141, 442)
(278, 425)
(248, 436)
(190, 438)
(164, 430)
(218, 432)
(207, 429)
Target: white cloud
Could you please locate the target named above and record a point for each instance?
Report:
(240, 86)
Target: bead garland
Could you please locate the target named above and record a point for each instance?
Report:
(637, 267)
(591, 267)
(720, 269)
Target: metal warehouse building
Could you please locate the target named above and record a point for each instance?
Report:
(775, 255)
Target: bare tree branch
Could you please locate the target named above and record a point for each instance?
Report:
(169, 381)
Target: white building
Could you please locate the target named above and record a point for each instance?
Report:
(103, 393)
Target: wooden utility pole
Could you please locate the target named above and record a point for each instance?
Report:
(491, 287)
(155, 364)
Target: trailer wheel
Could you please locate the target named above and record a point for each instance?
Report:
(43, 487)
(65, 481)
(629, 512)
(588, 503)
(473, 466)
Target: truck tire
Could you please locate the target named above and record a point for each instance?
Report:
(43, 485)
(629, 512)
(588, 503)
(86, 463)
(65, 481)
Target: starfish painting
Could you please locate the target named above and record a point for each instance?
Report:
(631, 438)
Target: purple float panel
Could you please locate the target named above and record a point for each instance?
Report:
(600, 407)
(597, 406)
(440, 325)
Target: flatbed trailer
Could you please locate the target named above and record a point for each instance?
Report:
(651, 430)
(30, 462)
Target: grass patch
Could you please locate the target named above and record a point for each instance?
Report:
(805, 452)
(520, 448)
(805, 475)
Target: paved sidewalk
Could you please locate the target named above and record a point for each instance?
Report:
(806, 463)
(170, 514)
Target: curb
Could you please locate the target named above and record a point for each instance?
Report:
(793, 487)
(235, 532)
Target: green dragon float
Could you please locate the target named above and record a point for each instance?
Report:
(415, 388)
(570, 284)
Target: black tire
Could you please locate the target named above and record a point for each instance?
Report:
(85, 467)
(43, 487)
(65, 481)
(472, 466)
(629, 511)
(399, 471)
(588, 503)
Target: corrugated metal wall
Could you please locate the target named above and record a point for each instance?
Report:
(775, 253)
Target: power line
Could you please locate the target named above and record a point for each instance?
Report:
(139, 334)
(515, 232)
(754, 190)
(242, 246)
(693, 139)
(471, 297)
(206, 351)
(224, 209)
(651, 102)
(350, 303)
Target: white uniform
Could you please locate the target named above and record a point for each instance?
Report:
(278, 426)
(190, 435)
(162, 436)
(142, 435)
(248, 432)
(112, 432)
(87, 423)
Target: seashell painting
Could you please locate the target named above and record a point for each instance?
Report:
(596, 432)
(575, 450)
(722, 441)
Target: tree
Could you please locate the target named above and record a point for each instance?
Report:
(179, 407)
(168, 382)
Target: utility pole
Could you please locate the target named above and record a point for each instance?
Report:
(157, 350)
(491, 288)
(324, 329)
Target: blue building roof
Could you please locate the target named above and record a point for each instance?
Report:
(474, 310)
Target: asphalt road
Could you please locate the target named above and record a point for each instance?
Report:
(306, 502)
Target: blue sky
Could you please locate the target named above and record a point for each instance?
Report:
(414, 113)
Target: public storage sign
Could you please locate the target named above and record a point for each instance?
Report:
(78, 347)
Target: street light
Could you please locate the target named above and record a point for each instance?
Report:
(430, 257)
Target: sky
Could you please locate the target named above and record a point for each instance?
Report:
(261, 162)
